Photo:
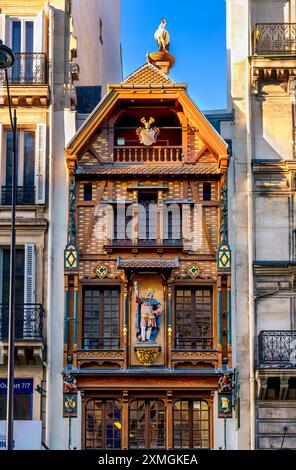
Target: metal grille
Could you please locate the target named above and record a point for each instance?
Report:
(24, 195)
(271, 38)
(28, 321)
(193, 325)
(147, 424)
(103, 424)
(101, 318)
(29, 68)
(191, 424)
(277, 347)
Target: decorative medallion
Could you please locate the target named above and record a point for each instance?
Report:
(194, 271)
(147, 355)
(225, 383)
(70, 396)
(101, 271)
(147, 135)
(224, 405)
(224, 256)
(70, 405)
(71, 256)
(69, 383)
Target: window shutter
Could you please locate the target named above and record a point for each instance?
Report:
(2, 157)
(29, 287)
(38, 32)
(40, 164)
(3, 27)
(1, 278)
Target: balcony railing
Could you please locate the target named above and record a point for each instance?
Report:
(277, 348)
(24, 195)
(194, 343)
(28, 322)
(275, 38)
(101, 343)
(140, 154)
(29, 68)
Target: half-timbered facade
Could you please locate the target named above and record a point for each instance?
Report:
(147, 268)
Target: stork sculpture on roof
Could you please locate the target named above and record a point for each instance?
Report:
(162, 37)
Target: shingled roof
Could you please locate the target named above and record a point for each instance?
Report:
(162, 263)
(148, 74)
(158, 169)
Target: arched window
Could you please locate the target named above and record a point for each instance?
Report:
(191, 424)
(103, 424)
(147, 424)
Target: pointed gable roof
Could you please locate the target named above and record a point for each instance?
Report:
(148, 74)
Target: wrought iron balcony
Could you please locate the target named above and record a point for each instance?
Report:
(277, 347)
(153, 154)
(275, 38)
(24, 195)
(193, 342)
(29, 68)
(28, 322)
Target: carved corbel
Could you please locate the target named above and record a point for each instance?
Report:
(261, 388)
(284, 387)
(71, 164)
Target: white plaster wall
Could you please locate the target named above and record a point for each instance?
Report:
(272, 228)
(270, 11)
(273, 313)
(106, 56)
(238, 71)
(271, 140)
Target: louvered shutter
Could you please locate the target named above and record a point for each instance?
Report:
(3, 27)
(29, 287)
(38, 32)
(2, 158)
(40, 164)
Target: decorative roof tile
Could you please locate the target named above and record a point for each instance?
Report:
(168, 263)
(158, 169)
(148, 74)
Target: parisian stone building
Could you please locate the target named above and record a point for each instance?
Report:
(50, 49)
(261, 45)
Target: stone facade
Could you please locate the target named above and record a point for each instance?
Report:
(261, 41)
(50, 48)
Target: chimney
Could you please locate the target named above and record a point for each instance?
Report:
(163, 60)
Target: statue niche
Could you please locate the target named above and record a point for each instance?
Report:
(148, 316)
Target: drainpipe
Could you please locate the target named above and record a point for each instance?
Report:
(50, 10)
(250, 231)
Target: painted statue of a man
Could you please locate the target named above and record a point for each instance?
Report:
(148, 316)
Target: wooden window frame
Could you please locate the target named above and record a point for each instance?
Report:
(101, 288)
(190, 401)
(193, 284)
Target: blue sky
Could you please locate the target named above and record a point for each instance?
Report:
(198, 42)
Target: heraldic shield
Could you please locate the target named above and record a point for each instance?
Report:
(147, 135)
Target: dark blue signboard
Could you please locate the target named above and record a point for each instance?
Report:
(20, 386)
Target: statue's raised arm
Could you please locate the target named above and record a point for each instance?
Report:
(162, 37)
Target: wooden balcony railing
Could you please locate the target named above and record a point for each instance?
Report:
(275, 38)
(29, 68)
(140, 154)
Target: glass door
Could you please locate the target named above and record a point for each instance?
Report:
(22, 43)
